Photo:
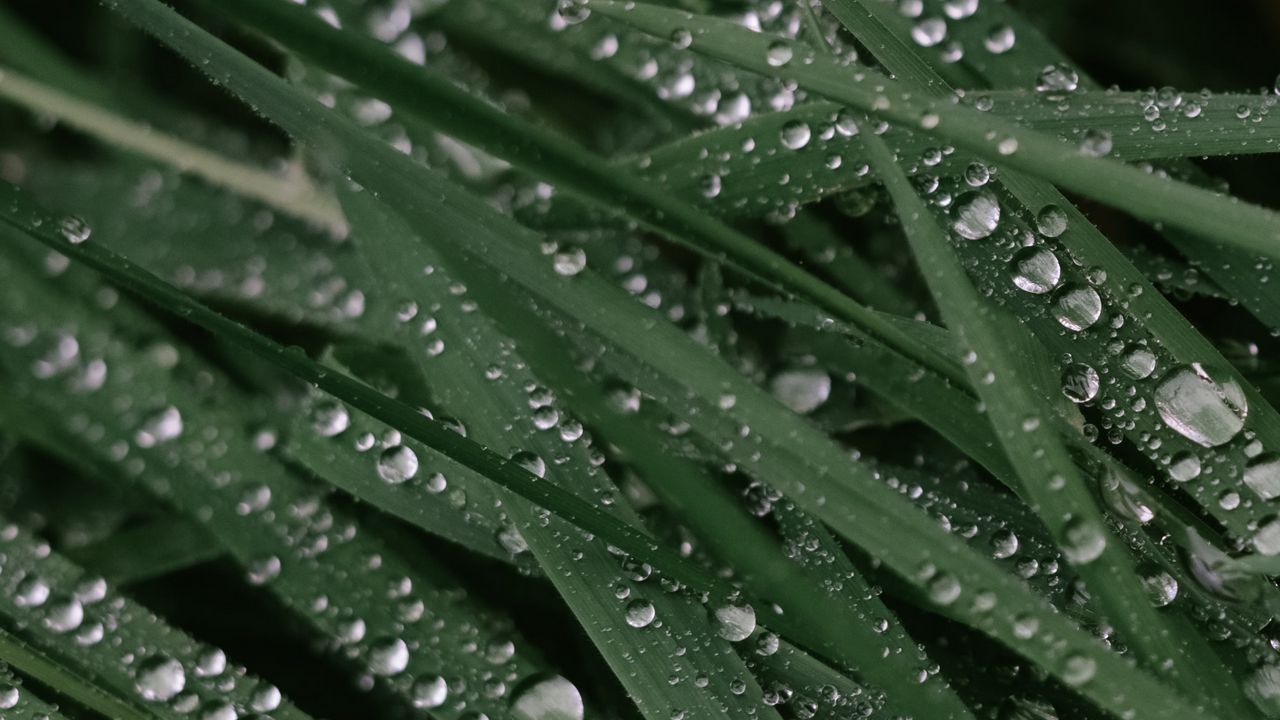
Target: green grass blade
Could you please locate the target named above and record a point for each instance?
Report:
(290, 537)
(126, 663)
(22, 702)
(570, 167)
(149, 551)
(371, 166)
(1131, 189)
(590, 578)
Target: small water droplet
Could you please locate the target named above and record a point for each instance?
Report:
(1080, 383)
(735, 622)
(553, 698)
(1051, 221)
(640, 613)
(1077, 307)
(1035, 270)
(796, 134)
(388, 656)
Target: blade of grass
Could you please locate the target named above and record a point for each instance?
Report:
(148, 551)
(1107, 181)
(291, 538)
(550, 156)
(23, 703)
(1063, 501)
(587, 575)
(294, 195)
(127, 662)
(857, 519)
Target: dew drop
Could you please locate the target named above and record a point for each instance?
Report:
(1000, 40)
(1057, 80)
(1184, 466)
(330, 418)
(568, 263)
(430, 692)
(159, 428)
(1138, 362)
(1262, 475)
(803, 390)
(1035, 270)
(1095, 143)
(64, 615)
(1161, 587)
(735, 622)
(1084, 541)
(779, 53)
(1004, 544)
(1080, 383)
(553, 698)
(1077, 307)
(74, 229)
(1078, 670)
(1051, 221)
(397, 464)
(796, 134)
(159, 678)
(929, 32)
(388, 657)
(1193, 404)
(640, 613)
(976, 214)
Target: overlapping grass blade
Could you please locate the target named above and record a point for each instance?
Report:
(23, 703)
(125, 662)
(750, 408)
(1128, 290)
(408, 625)
(1146, 196)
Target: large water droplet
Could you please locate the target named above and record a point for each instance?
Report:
(159, 678)
(1084, 541)
(430, 692)
(929, 32)
(1263, 475)
(802, 390)
(397, 464)
(1184, 466)
(1051, 221)
(1200, 408)
(1056, 81)
(1080, 383)
(796, 134)
(554, 698)
(330, 418)
(640, 613)
(388, 656)
(159, 428)
(1035, 270)
(1078, 669)
(1077, 307)
(735, 622)
(976, 214)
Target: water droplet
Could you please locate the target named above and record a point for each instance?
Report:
(801, 390)
(530, 462)
(929, 32)
(9, 697)
(1267, 539)
(735, 622)
(159, 678)
(1004, 544)
(976, 214)
(159, 428)
(1201, 409)
(779, 53)
(32, 591)
(1051, 221)
(1080, 383)
(1262, 475)
(330, 418)
(960, 9)
(1000, 40)
(1184, 466)
(1084, 541)
(1161, 587)
(570, 262)
(1035, 270)
(64, 615)
(796, 134)
(1077, 307)
(430, 692)
(1138, 362)
(397, 464)
(211, 663)
(553, 698)
(264, 570)
(1056, 81)
(388, 656)
(74, 229)
(640, 613)
(1078, 669)
(944, 588)
(1263, 686)
(1095, 143)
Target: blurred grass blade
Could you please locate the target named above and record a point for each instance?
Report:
(149, 551)
(22, 702)
(294, 195)
(52, 674)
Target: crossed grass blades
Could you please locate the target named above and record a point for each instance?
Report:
(690, 360)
